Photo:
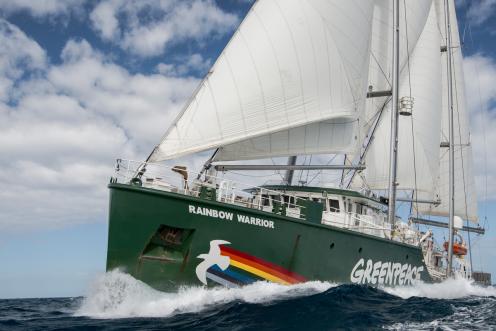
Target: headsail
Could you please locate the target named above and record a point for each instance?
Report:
(293, 66)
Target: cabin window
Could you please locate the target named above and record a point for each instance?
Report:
(334, 205)
(359, 209)
(290, 201)
(369, 211)
(276, 197)
(265, 200)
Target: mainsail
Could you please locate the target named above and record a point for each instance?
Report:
(294, 71)
(341, 133)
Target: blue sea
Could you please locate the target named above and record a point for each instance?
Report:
(117, 301)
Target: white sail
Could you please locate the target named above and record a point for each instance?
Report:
(411, 26)
(465, 194)
(335, 135)
(418, 146)
(381, 55)
(291, 65)
(327, 137)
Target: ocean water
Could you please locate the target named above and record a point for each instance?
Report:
(117, 301)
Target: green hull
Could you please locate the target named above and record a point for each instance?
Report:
(156, 236)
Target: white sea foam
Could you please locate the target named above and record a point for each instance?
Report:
(463, 318)
(118, 295)
(448, 289)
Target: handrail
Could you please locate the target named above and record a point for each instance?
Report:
(228, 191)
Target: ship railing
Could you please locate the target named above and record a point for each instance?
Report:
(359, 222)
(166, 178)
(175, 179)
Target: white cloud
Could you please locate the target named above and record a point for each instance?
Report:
(142, 105)
(42, 8)
(483, 138)
(62, 128)
(104, 19)
(480, 11)
(18, 53)
(480, 78)
(195, 63)
(121, 21)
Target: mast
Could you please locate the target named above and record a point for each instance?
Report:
(451, 143)
(288, 177)
(394, 116)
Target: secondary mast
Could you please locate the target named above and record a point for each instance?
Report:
(288, 177)
(394, 116)
(451, 143)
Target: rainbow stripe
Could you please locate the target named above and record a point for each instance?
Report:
(245, 269)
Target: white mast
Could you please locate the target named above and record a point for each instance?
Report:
(394, 115)
(451, 144)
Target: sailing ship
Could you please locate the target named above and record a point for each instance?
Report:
(377, 85)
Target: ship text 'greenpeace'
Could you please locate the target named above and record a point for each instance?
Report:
(224, 215)
(387, 273)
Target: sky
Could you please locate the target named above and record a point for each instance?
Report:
(85, 82)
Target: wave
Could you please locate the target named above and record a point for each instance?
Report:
(449, 289)
(117, 295)
(311, 305)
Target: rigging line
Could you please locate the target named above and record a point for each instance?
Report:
(484, 121)
(464, 28)
(370, 135)
(413, 131)
(343, 171)
(301, 171)
(320, 171)
(483, 117)
(461, 155)
(200, 85)
(380, 68)
(278, 171)
(308, 171)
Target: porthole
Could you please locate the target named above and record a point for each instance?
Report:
(331, 246)
(360, 250)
